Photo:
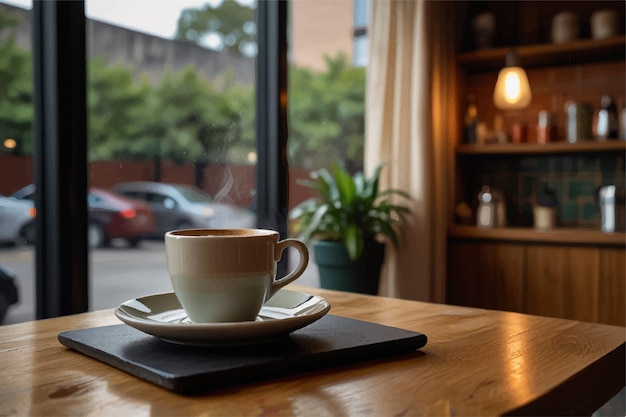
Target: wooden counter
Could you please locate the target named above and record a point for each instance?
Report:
(476, 362)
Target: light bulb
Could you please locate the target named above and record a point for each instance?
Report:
(512, 89)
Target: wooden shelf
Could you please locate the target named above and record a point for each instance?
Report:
(537, 148)
(521, 234)
(542, 55)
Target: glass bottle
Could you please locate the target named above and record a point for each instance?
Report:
(471, 120)
(546, 128)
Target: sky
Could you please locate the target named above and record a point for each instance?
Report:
(154, 17)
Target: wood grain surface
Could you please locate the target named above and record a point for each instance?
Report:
(572, 282)
(612, 288)
(476, 362)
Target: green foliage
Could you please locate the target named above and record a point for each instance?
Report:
(188, 118)
(326, 115)
(230, 21)
(184, 118)
(116, 112)
(16, 86)
(350, 208)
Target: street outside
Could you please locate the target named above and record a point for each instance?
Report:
(117, 274)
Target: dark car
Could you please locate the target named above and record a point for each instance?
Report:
(9, 294)
(114, 216)
(182, 206)
(111, 216)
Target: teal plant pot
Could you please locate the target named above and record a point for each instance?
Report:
(338, 272)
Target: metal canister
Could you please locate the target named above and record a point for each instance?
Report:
(612, 217)
(579, 121)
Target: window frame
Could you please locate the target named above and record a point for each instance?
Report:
(60, 160)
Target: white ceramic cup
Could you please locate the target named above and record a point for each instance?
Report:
(225, 275)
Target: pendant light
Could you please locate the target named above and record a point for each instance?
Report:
(512, 88)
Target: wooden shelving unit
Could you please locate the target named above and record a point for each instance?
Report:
(540, 55)
(536, 148)
(569, 272)
(521, 234)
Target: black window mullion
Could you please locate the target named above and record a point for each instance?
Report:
(60, 164)
(272, 171)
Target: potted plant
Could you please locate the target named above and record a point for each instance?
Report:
(346, 222)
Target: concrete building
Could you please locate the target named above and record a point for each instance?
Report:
(146, 54)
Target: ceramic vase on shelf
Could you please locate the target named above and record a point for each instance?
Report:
(565, 27)
(483, 30)
(604, 24)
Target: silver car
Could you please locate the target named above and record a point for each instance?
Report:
(181, 206)
(17, 221)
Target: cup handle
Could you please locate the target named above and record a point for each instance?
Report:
(297, 271)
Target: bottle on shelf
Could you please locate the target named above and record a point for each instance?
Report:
(491, 210)
(471, 120)
(606, 123)
(545, 209)
(546, 128)
(579, 120)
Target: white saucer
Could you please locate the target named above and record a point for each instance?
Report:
(161, 315)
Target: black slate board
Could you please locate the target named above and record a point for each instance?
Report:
(328, 342)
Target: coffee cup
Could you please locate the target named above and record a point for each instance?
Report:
(225, 275)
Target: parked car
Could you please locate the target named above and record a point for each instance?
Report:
(180, 206)
(16, 221)
(114, 216)
(9, 293)
(111, 216)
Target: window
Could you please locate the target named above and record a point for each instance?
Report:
(17, 216)
(326, 93)
(183, 111)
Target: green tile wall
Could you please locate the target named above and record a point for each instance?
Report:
(575, 177)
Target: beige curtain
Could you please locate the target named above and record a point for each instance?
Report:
(409, 115)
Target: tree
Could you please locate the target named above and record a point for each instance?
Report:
(194, 118)
(16, 86)
(326, 115)
(230, 25)
(184, 118)
(116, 113)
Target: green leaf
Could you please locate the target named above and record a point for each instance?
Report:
(306, 207)
(372, 186)
(315, 221)
(353, 241)
(359, 182)
(345, 185)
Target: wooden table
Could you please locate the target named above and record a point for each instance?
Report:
(476, 362)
